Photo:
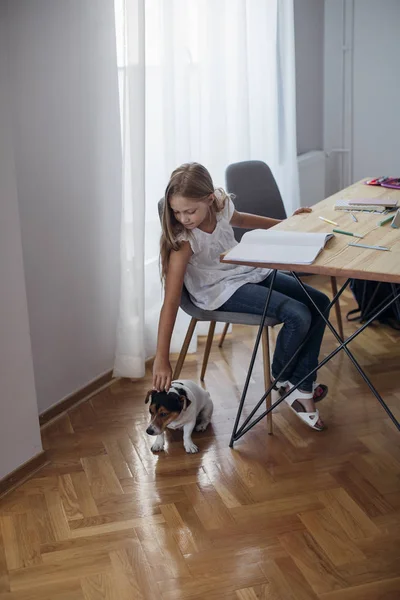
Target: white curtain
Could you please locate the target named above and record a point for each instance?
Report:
(210, 81)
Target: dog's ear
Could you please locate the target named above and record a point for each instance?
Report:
(183, 398)
(148, 396)
(185, 401)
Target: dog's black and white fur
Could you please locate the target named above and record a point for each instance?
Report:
(186, 405)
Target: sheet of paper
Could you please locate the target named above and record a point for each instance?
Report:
(300, 255)
(285, 238)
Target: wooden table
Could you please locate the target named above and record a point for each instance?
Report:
(338, 259)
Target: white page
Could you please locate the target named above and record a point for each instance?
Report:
(300, 255)
(286, 238)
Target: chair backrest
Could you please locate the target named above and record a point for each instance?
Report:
(255, 190)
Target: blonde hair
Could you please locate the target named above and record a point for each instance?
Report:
(193, 181)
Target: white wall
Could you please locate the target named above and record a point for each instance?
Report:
(309, 44)
(19, 427)
(361, 89)
(337, 95)
(67, 152)
(376, 84)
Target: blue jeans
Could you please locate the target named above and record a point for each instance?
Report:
(288, 305)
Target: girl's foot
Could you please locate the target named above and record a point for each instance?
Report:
(320, 391)
(303, 404)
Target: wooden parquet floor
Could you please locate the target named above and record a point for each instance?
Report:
(299, 515)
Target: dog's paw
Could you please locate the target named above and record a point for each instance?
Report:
(191, 448)
(202, 426)
(157, 446)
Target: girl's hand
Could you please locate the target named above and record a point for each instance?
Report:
(162, 374)
(303, 209)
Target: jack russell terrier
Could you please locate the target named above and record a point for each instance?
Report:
(186, 405)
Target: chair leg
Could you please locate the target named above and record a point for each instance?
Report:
(267, 374)
(185, 346)
(207, 350)
(337, 308)
(223, 334)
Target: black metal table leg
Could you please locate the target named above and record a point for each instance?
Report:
(253, 358)
(247, 425)
(349, 353)
(237, 432)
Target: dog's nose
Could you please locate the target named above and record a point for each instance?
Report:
(150, 430)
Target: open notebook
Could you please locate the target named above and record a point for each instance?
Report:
(283, 247)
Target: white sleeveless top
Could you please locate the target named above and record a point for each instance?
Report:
(209, 282)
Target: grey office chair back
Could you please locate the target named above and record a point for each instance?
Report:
(255, 190)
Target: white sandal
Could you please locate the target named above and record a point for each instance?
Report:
(294, 402)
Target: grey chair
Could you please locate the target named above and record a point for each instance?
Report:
(213, 316)
(257, 192)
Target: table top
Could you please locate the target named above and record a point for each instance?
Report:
(338, 258)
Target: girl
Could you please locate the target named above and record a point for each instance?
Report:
(196, 229)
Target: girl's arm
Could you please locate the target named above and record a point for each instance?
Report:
(162, 372)
(248, 221)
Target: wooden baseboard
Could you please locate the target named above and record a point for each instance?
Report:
(22, 473)
(83, 394)
(26, 470)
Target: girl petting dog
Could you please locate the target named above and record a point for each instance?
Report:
(197, 226)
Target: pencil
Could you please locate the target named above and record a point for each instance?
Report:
(369, 247)
(328, 221)
(347, 233)
(385, 220)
